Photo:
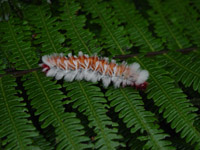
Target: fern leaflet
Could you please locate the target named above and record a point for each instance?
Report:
(80, 39)
(15, 128)
(165, 29)
(18, 50)
(113, 36)
(185, 18)
(45, 28)
(136, 26)
(129, 104)
(89, 100)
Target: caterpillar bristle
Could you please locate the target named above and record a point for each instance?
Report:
(94, 69)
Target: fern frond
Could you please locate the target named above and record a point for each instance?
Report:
(18, 50)
(113, 36)
(80, 39)
(46, 99)
(180, 66)
(46, 28)
(136, 26)
(164, 28)
(131, 108)
(185, 18)
(90, 101)
(183, 68)
(172, 102)
(15, 129)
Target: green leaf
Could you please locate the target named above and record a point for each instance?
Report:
(15, 129)
(112, 35)
(46, 29)
(128, 103)
(80, 39)
(90, 101)
(164, 28)
(136, 26)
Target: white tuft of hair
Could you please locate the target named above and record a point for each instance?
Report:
(52, 72)
(135, 67)
(59, 75)
(70, 76)
(94, 77)
(70, 55)
(117, 82)
(80, 76)
(44, 60)
(142, 77)
(106, 81)
(80, 53)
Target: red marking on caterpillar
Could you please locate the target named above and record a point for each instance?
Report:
(45, 67)
(94, 69)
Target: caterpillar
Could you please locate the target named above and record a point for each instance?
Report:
(94, 69)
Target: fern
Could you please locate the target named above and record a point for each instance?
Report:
(131, 109)
(89, 100)
(68, 128)
(57, 115)
(45, 29)
(172, 101)
(181, 64)
(136, 26)
(164, 27)
(183, 69)
(19, 52)
(184, 17)
(113, 36)
(80, 39)
(15, 128)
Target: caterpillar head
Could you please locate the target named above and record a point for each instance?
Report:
(45, 68)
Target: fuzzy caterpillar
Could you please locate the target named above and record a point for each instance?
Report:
(94, 69)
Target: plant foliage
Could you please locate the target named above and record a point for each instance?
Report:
(37, 112)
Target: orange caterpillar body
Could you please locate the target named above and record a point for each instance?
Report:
(94, 69)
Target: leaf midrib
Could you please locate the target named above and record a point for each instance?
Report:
(137, 28)
(16, 43)
(54, 111)
(105, 25)
(142, 122)
(96, 117)
(166, 24)
(46, 29)
(75, 28)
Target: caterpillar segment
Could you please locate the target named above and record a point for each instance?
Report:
(94, 69)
